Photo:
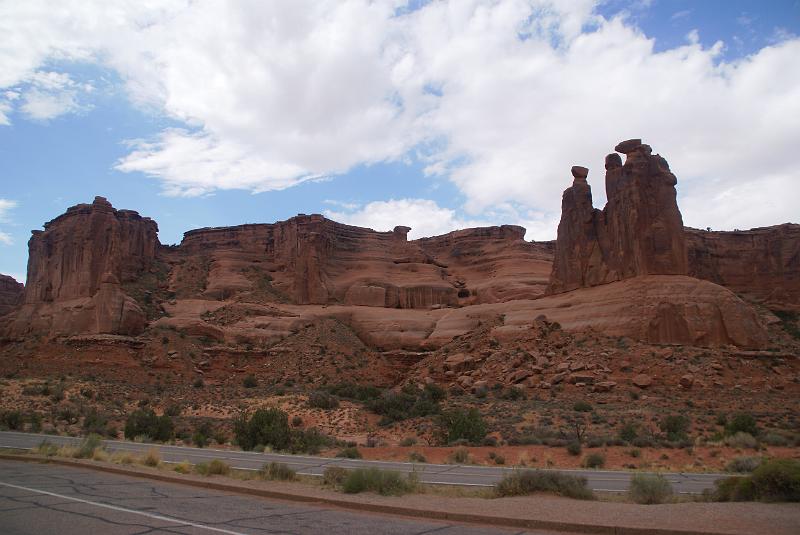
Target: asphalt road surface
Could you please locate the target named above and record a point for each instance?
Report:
(40, 499)
(443, 474)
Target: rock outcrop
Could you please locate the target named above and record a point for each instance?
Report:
(76, 267)
(309, 259)
(762, 264)
(639, 231)
(10, 294)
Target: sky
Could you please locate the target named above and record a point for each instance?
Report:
(435, 115)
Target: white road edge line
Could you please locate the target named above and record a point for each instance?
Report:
(125, 510)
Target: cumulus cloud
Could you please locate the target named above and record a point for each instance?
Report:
(500, 97)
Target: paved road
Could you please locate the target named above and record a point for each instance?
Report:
(445, 474)
(43, 499)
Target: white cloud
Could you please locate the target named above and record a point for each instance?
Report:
(500, 97)
(424, 216)
(5, 207)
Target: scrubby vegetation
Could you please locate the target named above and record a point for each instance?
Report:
(777, 480)
(277, 472)
(143, 423)
(409, 402)
(459, 424)
(524, 482)
(270, 428)
(649, 489)
(383, 482)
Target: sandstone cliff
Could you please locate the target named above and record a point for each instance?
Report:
(10, 294)
(75, 269)
(762, 264)
(638, 232)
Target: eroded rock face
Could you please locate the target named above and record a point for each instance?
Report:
(638, 232)
(762, 263)
(313, 260)
(10, 294)
(75, 269)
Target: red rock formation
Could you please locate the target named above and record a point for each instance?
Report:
(639, 232)
(312, 260)
(762, 264)
(75, 267)
(10, 294)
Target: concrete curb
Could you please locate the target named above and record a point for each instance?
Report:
(525, 523)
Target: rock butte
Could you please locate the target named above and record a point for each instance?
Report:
(630, 269)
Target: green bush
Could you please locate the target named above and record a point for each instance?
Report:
(95, 422)
(574, 448)
(322, 400)
(778, 480)
(250, 381)
(12, 420)
(742, 422)
(594, 460)
(349, 453)
(582, 406)
(458, 456)
(144, 422)
(629, 432)
(410, 402)
(743, 464)
(524, 482)
(675, 426)
(277, 472)
(266, 427)
(355, 392)
(383, 482)
(416, 457)
(309, 441)
(734, 489)
(774, 439)
(650, 488)
(462, 424)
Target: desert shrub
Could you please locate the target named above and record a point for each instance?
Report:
(743, 464)
(675, 427)
(322, 400)
(629, 432)
(297, 421)
(35, 420)
(151, 458)
(594, 460)
(309, 441)
(95, 422)
(334, 476)
(268, 427)
(408, 441)
(173, 410)
(524, 482)
(383, 482)
(512, 393)
(215, 467)
(774, 439)
(250, 381)
(355, 392)
(649, 489)
(582, 406)
(47, 448)
(741, 440)
(277, 472)
(12, 420)
(777, 480)
(458, 456)
(198, 383)
(462, 424)
(410, 402)
(144, 422)
(349, 453)
(416, 457)
(734, 489)
(183, 467)
(499, 459)
(199, 439)
(88, 446)
(123, 457)
(741, 422)
(643, 442)
(574, 448)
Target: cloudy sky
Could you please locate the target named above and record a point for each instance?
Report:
(434, 115)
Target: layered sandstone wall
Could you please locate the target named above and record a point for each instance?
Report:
(75, 269)
(762, 264)
(10, 294)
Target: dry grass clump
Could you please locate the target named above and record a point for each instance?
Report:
(524, 482)
(213, 468)
(650, 489)
(123, 457)
(152, 458)
(277, 472)
(183, 468)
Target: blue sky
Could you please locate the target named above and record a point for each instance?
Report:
(330, 109)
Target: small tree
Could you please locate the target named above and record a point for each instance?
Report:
(462, 425)
(144, 422)
(267, 427)
(742, 423)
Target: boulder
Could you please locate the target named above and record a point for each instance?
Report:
(605, 386)
(687, 381)
(642, 380)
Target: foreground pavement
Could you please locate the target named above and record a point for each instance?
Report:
(443, 474)
(42, 499)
